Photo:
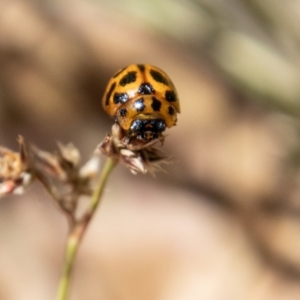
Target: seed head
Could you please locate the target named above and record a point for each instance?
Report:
(137, 155)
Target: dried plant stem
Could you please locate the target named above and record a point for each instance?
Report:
(78, 230)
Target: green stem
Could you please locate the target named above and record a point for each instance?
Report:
(79, 229)
(107, 168)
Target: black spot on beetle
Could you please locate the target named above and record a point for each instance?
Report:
(146, 89)
(119, 72)
(111, 89)
(170, 96)
(139, 105)
(156, 104)
(158, 77)
(123, 112)
(171, 111)
(120, 98)
(141, 68)
(137, 125)
(147, 129)
(128, 78)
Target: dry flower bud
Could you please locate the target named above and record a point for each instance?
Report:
(69, 153)
(47, 164)
(135, 154)
(91, 168)
(10, 163)
(60, 173)
(15, 175)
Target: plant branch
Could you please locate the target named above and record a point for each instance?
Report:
(77, 232)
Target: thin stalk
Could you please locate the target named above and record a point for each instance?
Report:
(77, 232)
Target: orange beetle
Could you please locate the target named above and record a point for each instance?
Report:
(143, 100)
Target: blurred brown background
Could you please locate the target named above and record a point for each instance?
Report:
(224, 222)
